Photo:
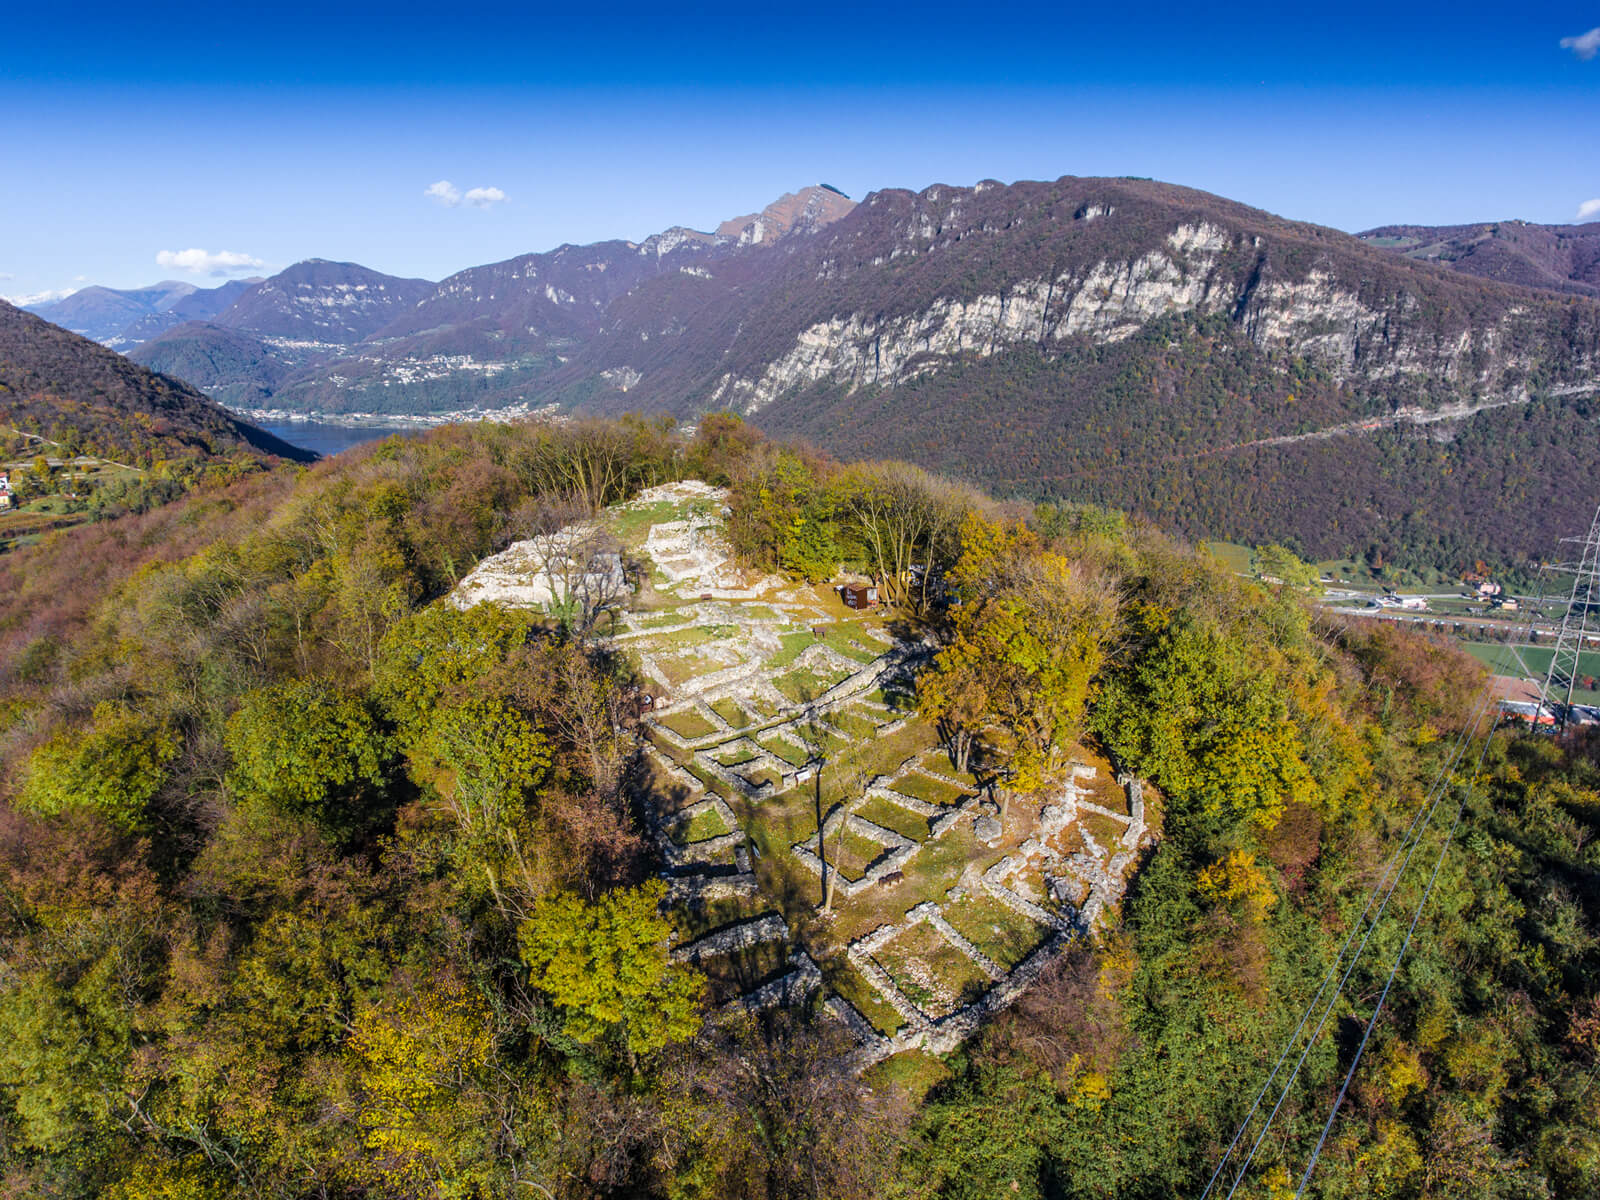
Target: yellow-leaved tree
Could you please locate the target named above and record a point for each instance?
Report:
(1028, 636)
(418, 1062)
(607, 968)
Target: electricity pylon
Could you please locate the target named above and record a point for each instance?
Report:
(1562, 678)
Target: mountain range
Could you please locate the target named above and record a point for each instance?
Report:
(123, 318)
(1227, 371)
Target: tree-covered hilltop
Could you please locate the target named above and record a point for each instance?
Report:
(58, 385)
(319, 886)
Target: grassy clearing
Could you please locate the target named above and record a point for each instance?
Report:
(893, 817)
(679, 669)
(829, 743)
(854, 724)
(664, 619)
(1103, 829)
(934, 791)
(849, 639)
(786, 750)
(850, 984)
(694, 635)
(928, 876)
(632, 525)
(937, 762)
(932, 973)
(740, 753)
(844, 773)
(702, 827)
(776, 824)
(1104, 790)
(1005, 936)
(656, 739)
(895, 699)
(688, 724)
(914, 1073)
(1526, 660)
(711, 782)
(804, 686)
(763, 708)
(852, 854)
(728, 709)
(791, 646)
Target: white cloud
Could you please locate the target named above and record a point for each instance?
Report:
(450, 196)
(1589, 208)
(205, 262)
(485, 197)
(1585, 45)
(444, 192)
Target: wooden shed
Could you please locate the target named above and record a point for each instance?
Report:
(858, 595)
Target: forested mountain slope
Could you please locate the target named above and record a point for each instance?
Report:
(486, 336)
(63, 387)
(1562, 258)
(317, 886)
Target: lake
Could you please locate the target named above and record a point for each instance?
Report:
(328, 439)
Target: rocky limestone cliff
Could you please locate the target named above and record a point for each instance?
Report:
(1359, 333)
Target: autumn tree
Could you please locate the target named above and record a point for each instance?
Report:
(1027, 639)
(420, 1060)
(607, 968)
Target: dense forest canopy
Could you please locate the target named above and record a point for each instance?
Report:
(318, 886)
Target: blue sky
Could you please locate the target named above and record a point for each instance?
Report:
(276, 132)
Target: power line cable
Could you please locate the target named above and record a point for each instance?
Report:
(1409, 845)
(1331, 973)
(1394, 969)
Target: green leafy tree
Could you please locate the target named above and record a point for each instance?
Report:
(492, 758)
(1211, 727)
(1275, 564)
(306, 747)
(114, 767)
(607, 968)
(428, 654)
(49, 1065)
